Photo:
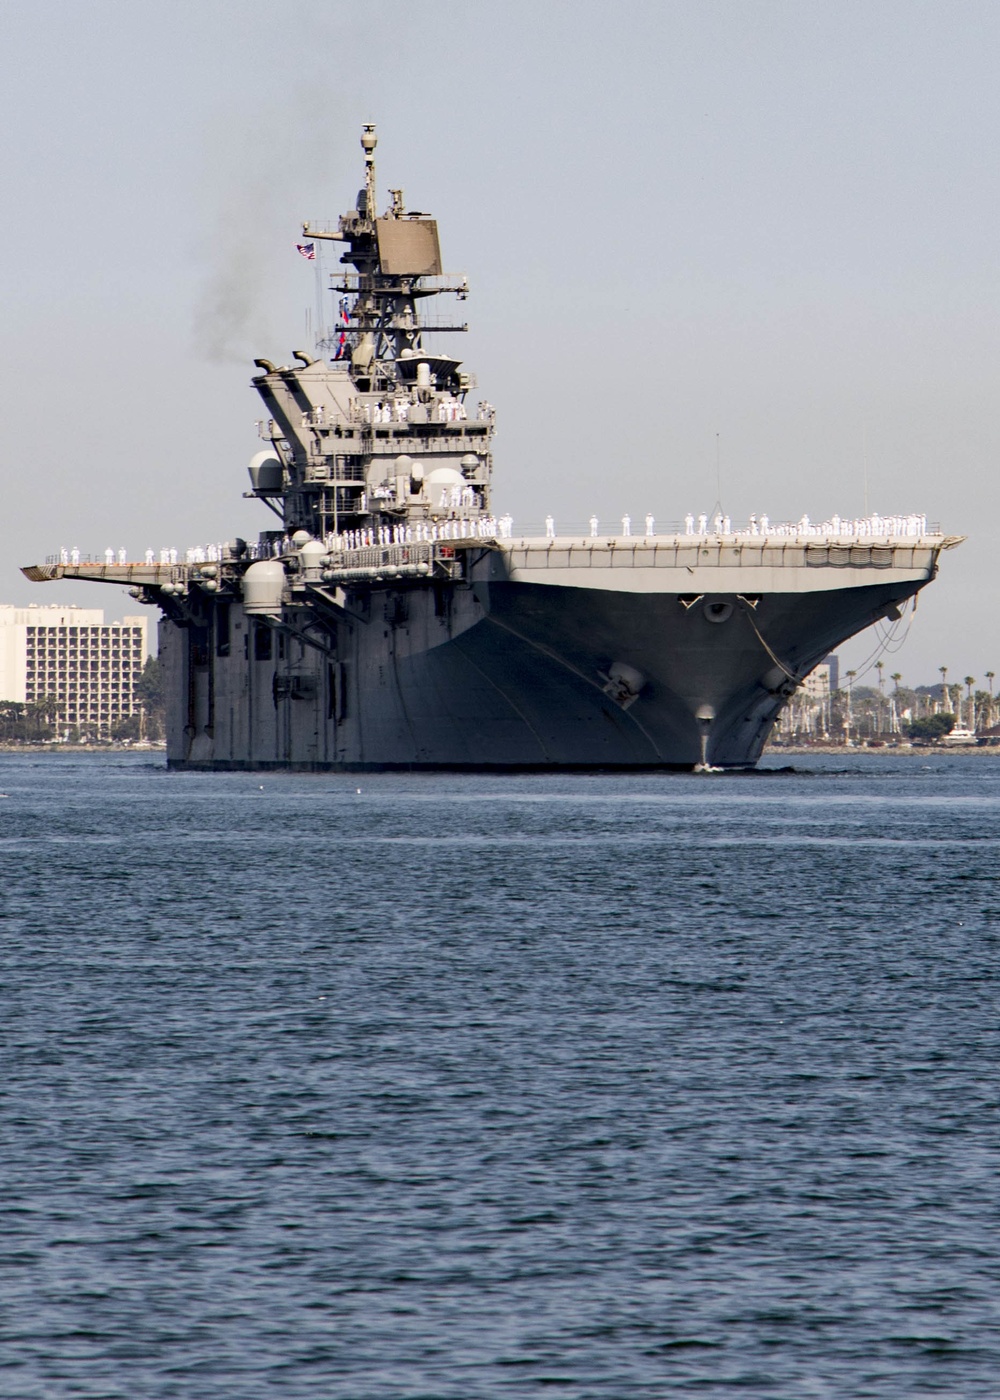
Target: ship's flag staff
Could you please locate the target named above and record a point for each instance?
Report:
(323, 335)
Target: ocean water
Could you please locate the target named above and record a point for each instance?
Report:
(455, 1088)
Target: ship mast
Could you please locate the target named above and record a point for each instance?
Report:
(342, 465)
(395, 258)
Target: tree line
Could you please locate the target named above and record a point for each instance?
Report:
(880, 713)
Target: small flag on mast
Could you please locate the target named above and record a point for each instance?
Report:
(308, 250)
(345, 320)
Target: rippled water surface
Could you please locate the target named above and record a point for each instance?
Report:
(459, 1088)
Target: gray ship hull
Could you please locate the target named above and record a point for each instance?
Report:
(498, 674)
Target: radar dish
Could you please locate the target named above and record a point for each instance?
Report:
(409, 247)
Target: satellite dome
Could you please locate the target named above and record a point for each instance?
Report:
(263, 586)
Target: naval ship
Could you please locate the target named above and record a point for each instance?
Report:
(390, 620)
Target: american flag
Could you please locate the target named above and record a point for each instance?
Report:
(308, 250)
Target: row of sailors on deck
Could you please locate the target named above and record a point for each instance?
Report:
(490, 527)
(452, 497)
(485, 527)
(445, 410)
(72, 556)
(198, 555)
(878, 526)
(550, 526)
(871, 526)
(458, 498)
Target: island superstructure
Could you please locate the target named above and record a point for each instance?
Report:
(392, 621)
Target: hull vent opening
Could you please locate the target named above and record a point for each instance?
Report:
(719, 611)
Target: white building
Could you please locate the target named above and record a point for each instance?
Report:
(823, 679)
(89, 666)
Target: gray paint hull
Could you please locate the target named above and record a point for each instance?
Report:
(497, 675)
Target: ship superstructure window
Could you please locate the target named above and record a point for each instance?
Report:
(262, 642)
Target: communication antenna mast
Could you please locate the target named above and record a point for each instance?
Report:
(717, 508)
(368, 143)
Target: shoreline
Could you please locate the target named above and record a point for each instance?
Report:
(779, 751)
(80, 748)
(898, 750)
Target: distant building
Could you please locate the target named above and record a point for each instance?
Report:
(823, 680)
(89, 667)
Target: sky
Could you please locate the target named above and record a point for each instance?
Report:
(709, 242)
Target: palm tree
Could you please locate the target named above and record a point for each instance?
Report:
(850, 715)
(944, 685)
(894, 728)
(969, 682)
(880, 667)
